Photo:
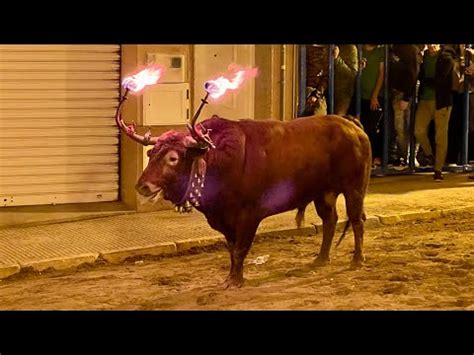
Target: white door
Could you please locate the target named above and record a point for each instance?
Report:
(211, 61)
(58, 139)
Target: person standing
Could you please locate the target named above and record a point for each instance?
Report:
(371, 82)
(404, 65)
(346, 65)
(435, 102)
(316, 79)
(469, 73)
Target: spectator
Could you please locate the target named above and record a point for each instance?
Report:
(372, 78)
(345, 71)
(404, 67)
(456, 119)
(346, 65)
(435, 102)
(469, 72)
(317, 79)
(470, 78)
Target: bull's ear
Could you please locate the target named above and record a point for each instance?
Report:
(194, 152)
(193, 149)
(190, 142)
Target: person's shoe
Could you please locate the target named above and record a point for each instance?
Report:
(438, 177)
(402, 165)
(376, 163)
(470, 176)
(426, 161)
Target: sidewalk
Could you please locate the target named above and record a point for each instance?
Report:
(115, 238)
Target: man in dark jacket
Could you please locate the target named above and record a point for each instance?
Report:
(404, 66)
(435, 102)
(346, 65)
(470, 77)
(456, 119)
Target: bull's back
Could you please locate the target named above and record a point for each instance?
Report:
(287, 163)
(316, 146)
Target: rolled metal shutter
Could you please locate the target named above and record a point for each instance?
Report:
(58, 139)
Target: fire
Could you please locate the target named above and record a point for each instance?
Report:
(138, 81)
(216, 88)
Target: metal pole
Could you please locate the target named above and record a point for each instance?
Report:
(282, 82)
(331, 80)
(302, 81)
(196, 114)
(358, 83)
(411, 122)
(385, 113)
(465, 126)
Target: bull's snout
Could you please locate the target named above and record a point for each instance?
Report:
(146, 188)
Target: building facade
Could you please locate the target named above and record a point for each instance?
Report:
(59, 146)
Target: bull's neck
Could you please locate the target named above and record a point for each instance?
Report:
(195, 184)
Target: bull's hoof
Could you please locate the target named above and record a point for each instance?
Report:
(233, 282)
(357, 261)
(319, 261)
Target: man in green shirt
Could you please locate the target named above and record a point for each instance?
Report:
(435, 103)
(371, 83)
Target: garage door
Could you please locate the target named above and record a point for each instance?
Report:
(58, 140)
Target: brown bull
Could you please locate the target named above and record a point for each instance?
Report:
(239, 172)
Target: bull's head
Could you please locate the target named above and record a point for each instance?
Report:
(175, 169)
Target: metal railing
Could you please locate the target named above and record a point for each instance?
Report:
(386, 170)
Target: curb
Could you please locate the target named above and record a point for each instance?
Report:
(187, 244)
(372, 221)
(7, 270)
(120, 255)
(61, 263)
(446, 212)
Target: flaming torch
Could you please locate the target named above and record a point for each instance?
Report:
(216, 88)
(137, 83)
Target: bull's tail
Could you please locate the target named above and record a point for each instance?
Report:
(300, 216)
(345, 229)
(348, 223)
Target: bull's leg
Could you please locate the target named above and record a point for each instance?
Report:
(355, 213)
(230, 248)
(244, 237)
(227, 228)
(326, 208)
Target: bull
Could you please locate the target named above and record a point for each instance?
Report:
(239, 172)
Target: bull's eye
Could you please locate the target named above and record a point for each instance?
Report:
(172, 158)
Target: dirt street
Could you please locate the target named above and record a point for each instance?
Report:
(414, 265)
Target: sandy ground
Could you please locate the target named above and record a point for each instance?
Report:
(414, 265)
